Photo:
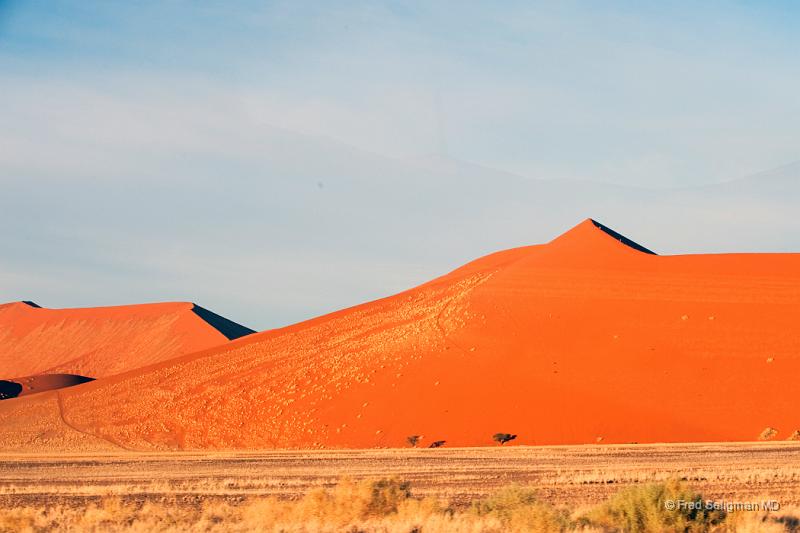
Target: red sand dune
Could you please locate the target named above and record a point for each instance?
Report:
(581, 339)
(102, 341)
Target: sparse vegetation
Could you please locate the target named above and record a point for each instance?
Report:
(453, 490)
(647, 509)
(437, 444)
(518, 509)
(413, 440)
(387, 505)
(502, 438)
(768, 433)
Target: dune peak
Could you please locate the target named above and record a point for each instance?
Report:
(590, 234)
(20, 304)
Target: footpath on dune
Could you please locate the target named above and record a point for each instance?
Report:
(589, 338)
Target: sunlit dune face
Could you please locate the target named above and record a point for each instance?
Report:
(98, 342)
(585, 339)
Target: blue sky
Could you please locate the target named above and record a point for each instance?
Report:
(647, 94)
(140, 138)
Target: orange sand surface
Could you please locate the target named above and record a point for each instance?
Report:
(580, 340)
(98, 342)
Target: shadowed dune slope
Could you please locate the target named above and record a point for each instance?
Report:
(103, 341)
(586, 338)
(27, 385)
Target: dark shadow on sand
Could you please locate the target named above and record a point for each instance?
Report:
(25, 386)
(9, 389)
(229, 328)
(622, 238)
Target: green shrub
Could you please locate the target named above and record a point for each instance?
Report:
(385, 495)
(518, 509)
(644, 509)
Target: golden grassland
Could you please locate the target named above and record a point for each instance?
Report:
(388, 505)
(564, 488)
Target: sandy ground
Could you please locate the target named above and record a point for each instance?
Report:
(572, 475)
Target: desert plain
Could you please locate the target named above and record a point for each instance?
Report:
(222, 491)
(568, 475)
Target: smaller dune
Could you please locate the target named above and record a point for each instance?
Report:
(25, 386)
(105, 341)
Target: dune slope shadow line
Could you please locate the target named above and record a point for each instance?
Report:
(229, 328)
(622, 238)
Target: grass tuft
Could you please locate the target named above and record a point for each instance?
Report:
(655, 508)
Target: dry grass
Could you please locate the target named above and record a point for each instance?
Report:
(643, 509)
(498, 489)
(565, 475)
(388, 506)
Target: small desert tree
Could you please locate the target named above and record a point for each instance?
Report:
(437, 444)
(502, 438)
(413, 440)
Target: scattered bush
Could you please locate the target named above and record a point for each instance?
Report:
(358, 500)
(644, 509)
(413, 440)
(347, 503)
(518, 509)
(437, 444)
(502, 438)
(768, 433)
